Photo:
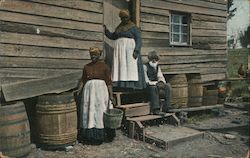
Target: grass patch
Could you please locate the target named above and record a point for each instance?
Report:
(198, 118)
(235, 58)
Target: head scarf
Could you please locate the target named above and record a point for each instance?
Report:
(95, 50)
(124, 27)
(124, 13)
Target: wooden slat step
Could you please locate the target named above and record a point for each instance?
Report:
(128, 92)
(126, 106)
(198, 108)
(148, 117)
(137, 109)
(119, 96)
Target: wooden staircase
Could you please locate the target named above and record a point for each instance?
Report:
(138, 112)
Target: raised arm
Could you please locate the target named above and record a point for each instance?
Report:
(110, 35)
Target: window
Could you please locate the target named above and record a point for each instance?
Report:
(180, 29)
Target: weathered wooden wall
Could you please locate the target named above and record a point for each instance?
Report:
(44, 38)
(207, 55)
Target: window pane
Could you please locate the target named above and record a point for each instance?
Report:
(176, 18)
(176, 29)
(184, 38)
(176, 38)
(184, 29)
(184, 20)
(179, 29)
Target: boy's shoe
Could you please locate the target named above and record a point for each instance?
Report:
(159, 113)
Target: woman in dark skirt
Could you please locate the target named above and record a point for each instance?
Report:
(96, 97)
(127, 67)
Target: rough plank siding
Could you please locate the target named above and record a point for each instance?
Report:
(50, 11)
(45, 41)
(33, 73)
(51, 32)
(76, 4)
(180, 6)
(207, 53)
(44, 38)
(41, 38)
(47, 21)
(54, 84)
(26, 62)
(14, 50)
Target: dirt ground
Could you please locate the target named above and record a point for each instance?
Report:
(214, 144)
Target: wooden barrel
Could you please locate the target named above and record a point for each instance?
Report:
(14, 130)
(210, 95)
(179, 90)
(195, 91)
(56, 120)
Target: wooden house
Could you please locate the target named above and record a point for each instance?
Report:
(44, 38)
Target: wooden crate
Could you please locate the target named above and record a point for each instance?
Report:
(137, 129)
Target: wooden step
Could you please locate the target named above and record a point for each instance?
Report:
(137, 109)
(136, 127)
(133, 105)
(128, 92)
(168, 136)
(197, 108)
(148, 117)
(120, 95)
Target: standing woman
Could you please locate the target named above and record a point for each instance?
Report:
(127, 68)
(95, 99)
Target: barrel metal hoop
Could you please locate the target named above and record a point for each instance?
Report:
(27, 133)
(11, 112)
(16, 148)
(13, 122)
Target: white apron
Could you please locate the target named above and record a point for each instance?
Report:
(95, 100)
(124, 65)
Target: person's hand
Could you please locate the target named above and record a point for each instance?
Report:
(104, 27)
(152, 83)
(79, 89)
(160, 85)
(135, 55)
(113, 101)
(78, 92)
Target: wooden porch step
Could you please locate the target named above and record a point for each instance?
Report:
(197, 108)
(128, 92)
(136, 127)
(133, 105)
(119, 96)
(148, 117)
(168, 136)
(137, 109)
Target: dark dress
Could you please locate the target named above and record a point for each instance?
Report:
(131, 32)
(92, 130)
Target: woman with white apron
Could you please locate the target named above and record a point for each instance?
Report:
(95, 99)
(127, 67)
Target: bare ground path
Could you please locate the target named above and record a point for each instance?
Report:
(215, 144)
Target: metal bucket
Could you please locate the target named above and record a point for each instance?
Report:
(112, 118)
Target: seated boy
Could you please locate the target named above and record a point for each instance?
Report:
(156, 83)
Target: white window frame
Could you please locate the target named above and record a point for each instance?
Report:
(180, 33)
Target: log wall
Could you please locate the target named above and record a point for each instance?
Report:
(207, 53)
(44, 38)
